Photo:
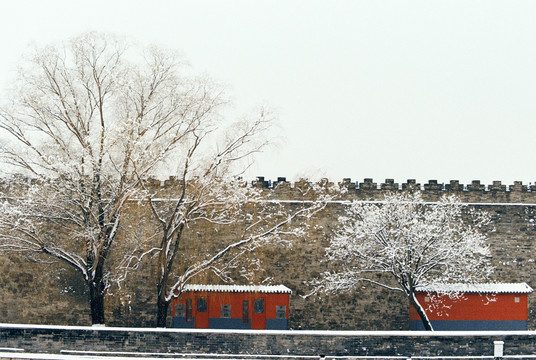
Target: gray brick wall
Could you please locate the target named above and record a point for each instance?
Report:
(298, 343)
(48, 294)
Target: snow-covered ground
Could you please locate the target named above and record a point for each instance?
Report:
(402, 333)
(149, 356)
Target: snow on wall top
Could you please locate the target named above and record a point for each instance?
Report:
(278, 289)
(489, 288)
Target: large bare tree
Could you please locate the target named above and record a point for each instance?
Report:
(92, 118)
(414, 242)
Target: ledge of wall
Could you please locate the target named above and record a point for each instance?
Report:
(55, 339)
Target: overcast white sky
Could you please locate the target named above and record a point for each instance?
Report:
(384, 89)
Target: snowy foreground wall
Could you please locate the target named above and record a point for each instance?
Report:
(87, 341)
(47, 294)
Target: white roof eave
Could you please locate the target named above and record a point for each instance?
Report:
(486, 288)
(271, 289)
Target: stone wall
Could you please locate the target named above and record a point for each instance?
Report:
(48, 294)
(79, 340)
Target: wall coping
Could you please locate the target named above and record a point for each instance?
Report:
(344, 333)
(349, 202)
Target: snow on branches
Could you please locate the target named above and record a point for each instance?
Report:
(415, 242)
(229, 205)
(91, 121)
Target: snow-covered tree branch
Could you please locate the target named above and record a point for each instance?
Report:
(209, 193)
(91, 119)
(415, 242)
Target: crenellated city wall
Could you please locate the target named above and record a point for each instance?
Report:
(46, 293)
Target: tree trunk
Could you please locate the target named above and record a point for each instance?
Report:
(162, 310)
(96, 301)
(422, 314)
(162, 304)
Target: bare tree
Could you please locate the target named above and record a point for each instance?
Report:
(415, 242)
(92, 118)
(210, 195)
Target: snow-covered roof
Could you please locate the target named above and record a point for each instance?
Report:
(278, 289)
(488, 288)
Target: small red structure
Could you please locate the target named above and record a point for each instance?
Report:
(475, 307)
(232, 307)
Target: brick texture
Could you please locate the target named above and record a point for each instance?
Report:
(49, 294)
(292, 343)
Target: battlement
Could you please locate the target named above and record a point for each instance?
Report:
(368, 189)
(368, 184)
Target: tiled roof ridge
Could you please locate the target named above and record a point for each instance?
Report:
(497, 288)
(281, 289)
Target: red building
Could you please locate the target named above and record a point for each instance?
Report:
(473, 307)
(232, 307)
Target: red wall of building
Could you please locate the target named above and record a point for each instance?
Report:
(473, 307)
(235, 299)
